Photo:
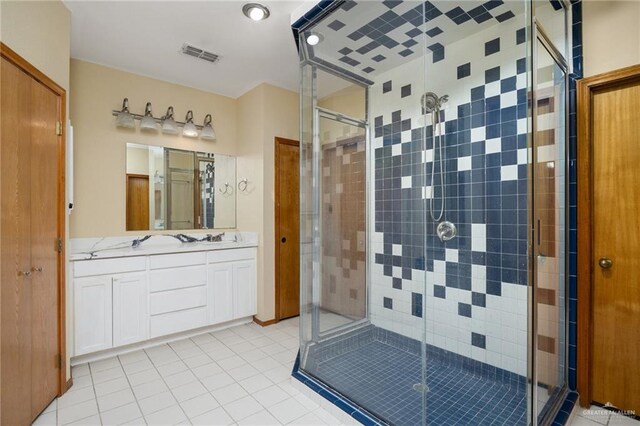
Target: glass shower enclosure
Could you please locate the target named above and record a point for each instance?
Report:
(433, 208)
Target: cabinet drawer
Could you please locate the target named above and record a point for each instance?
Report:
(175, 300)
(231, 255)
(172, 279)
(174, 322)
(163, 261)
(85, 268)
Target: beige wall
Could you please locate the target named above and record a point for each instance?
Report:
(611, 35)
(263, 113)
(100, 146)
(137, 160)
(40, 32)
(350, 101)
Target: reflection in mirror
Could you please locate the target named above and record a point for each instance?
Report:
(175, 189)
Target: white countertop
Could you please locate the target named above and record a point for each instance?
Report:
(113, 247)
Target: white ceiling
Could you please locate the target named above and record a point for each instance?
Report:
(145, 37)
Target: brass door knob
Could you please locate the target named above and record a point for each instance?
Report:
(605, 263)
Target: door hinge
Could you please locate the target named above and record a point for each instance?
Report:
(59, 361)
(59, 245)
(58, 128)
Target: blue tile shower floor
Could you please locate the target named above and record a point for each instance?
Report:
(380, 378)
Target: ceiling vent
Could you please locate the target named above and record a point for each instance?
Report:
(196, 52)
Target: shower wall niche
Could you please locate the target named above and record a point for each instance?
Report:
(409, 327)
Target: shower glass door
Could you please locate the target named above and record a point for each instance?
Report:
(549, 216)
(342, 297)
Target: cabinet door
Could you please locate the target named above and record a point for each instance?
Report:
(130, 308)
(220, 297)
(244, 288)
(92, 314)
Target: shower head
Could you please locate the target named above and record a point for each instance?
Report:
(432, 102)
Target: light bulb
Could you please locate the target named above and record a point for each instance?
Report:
(256, 14)
(313, 39)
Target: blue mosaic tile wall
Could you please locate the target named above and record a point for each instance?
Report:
(576, 32)
(478, 279)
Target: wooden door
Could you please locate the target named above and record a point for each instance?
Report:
(31, 223)
(45, 193)
(16, 88)
(137, 202)
(616, 236)
(287, 182)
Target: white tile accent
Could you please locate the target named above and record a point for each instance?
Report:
(464, 163)
(451, 255)
(493, 146)
(509, 173)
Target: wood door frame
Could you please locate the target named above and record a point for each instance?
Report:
(279, 141)
(585, 90)
(24, 65)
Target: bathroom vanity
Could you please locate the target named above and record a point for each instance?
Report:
(126, 297)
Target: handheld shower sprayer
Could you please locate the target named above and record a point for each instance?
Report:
(432, 104)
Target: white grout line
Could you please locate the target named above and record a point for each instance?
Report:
(95, 395)
(236, 339)
(130, 388)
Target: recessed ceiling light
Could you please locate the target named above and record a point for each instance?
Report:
(313, 39)
(255, 11)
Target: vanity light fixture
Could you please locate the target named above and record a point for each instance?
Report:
(255, 11)
(124, 118)
(207, 129)
(190, 130)
(168, 123)
(148, 123)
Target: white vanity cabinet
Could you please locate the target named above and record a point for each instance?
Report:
(178, 297)
(220, 291)
(92, 314)
(126, 300)
(110, 305)
(244, 292)
(232, 284)
(130, 308)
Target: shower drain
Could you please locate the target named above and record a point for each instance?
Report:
(419, 387)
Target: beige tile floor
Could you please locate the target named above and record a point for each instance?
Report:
(598, 416)
(240, 375)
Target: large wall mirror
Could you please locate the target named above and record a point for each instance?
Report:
(171, 189)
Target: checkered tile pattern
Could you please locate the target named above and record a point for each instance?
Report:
(374, 37)
(207, 176)
(477, 281)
